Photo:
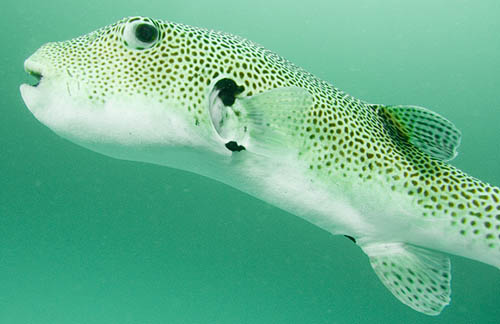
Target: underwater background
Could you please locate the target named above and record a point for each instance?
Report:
(88, 239)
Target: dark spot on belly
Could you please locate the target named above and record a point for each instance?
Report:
(351, 238)
(234, 147)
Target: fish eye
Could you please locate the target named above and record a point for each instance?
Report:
(140, 34)
(146, 33)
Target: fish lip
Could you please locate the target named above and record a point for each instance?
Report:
(34, 69)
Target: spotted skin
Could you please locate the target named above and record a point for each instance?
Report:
(339, 138)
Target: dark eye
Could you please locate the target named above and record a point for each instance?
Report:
(146, 33)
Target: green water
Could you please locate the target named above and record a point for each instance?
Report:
(88, 239)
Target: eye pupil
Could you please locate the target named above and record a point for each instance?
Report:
(146, 33)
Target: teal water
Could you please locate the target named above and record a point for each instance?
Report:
(88, 239)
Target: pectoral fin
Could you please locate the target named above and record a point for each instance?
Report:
(417, 277)
(273, 115)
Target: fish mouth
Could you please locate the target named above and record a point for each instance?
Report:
(35, 71)
(38, 76)
(31, 91)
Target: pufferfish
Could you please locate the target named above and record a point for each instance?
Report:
(227, 108)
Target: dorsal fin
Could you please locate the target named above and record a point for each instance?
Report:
(425, 129)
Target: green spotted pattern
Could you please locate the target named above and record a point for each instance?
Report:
(339, 136)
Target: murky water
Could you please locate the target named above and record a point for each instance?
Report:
(88, 239)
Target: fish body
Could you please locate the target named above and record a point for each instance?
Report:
(224, 107)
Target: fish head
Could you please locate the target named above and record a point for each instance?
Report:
(136, 90)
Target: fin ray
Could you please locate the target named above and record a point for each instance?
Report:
(272, 115)
(425, 129)
(417, 277)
